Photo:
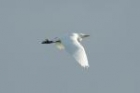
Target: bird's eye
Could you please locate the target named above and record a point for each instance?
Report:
(79, 39)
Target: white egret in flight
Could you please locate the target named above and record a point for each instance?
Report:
(71, 43)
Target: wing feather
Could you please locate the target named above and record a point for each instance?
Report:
(77, 51)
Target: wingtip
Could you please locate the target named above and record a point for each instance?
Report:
(86, 67)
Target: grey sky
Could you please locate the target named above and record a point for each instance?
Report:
(113, 49)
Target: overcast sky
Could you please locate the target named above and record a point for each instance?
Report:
(113, 49)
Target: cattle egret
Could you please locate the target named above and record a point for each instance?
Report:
(71, 43)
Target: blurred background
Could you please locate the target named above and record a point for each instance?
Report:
(113, 49)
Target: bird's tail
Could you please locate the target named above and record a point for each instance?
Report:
(59, 45)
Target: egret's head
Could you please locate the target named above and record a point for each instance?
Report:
(80, 36)
(83, 35)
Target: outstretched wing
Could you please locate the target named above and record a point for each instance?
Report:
(78, 52)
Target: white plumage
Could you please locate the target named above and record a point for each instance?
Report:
(71, 43)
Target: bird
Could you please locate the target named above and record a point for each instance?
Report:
(72, 44)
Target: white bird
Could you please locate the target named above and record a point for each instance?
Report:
(71, 43)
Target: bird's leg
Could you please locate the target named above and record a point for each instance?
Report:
(47, 42)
